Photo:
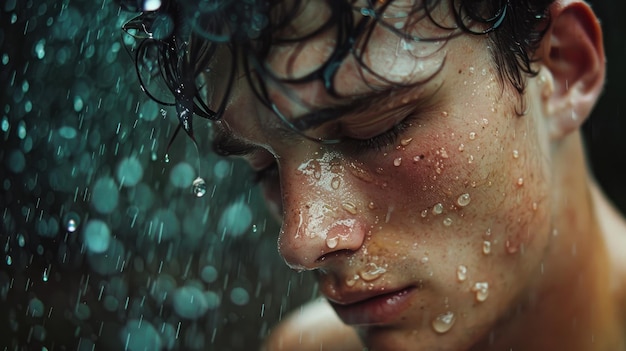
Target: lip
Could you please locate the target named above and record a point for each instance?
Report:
(375, 309)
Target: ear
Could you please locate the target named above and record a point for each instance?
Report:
(573, 56)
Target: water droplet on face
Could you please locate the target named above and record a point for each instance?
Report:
(444, 113)
(461, 273)
(463, 200)
(520, 181)
(424, 260)
(443, 322)
(424, 213)
(510, 248)
(198, 187)
(397, 162)
(438, 209)
(167, 158)
(447, 221)
(461, 147)
(335, 182)
(351, 281)
(372, 272)
(472, 135)
(482, 291)
(486, 247)
(371, 206)
(515, 154)
(349, 207)
(332, 242)
(405, 142)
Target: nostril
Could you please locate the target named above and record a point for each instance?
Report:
(334, 254)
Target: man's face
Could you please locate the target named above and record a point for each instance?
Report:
(424, 236)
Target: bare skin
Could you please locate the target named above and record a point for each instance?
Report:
(477, 229)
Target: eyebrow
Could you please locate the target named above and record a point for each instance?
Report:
(353, 106)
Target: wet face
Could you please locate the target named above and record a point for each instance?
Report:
(422, 236)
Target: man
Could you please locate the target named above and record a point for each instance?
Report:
(426, 161)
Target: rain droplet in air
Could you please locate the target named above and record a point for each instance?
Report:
(463, 200)
(461, 273)
(482, 291)
(443, 322)
(198, 187)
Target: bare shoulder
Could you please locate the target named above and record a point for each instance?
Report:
(313, 327)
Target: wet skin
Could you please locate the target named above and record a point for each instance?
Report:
(442, 230)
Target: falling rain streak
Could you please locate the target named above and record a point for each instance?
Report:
(155, 248)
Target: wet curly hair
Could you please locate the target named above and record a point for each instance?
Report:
(178, 41)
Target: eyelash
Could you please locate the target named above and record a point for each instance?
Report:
(376, 143)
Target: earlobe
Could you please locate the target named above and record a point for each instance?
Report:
(573, 54)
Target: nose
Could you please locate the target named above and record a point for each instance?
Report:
(322, 218)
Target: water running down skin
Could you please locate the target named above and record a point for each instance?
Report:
(476, 226)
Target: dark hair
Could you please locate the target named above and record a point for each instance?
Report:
(180, 39)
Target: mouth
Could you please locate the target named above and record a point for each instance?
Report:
(375, 309)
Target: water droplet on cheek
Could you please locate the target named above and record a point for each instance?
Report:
(515, 154)
(463, 200)
(520, 181)
(438, 209)
(397, 162)
(447, 221)
(405, 142)
(443, 322)
(461, 273)
(486, 247)
(472, 135)
(481, 289)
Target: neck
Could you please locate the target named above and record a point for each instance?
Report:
(572, 305)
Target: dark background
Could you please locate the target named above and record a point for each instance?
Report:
(62, 69)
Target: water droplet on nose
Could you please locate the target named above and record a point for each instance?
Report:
(461, 273)
(472, 135)
(397, 162)
(198, 187)
(447, 221)
(332, 242)
(349, 207)
(443, 322)
(482, 291)
(372, 272)
(335, 182)
(463, 200)
(438, 209)
(486, 247)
